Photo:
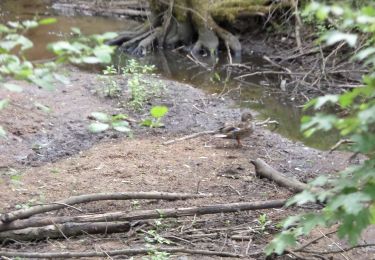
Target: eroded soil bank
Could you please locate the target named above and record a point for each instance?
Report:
(52, 156)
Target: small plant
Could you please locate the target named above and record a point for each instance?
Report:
(153, 237)
(157, 113)
(158, 255)
(140, 89)
(263, 222)
(110, 87)
(105, 122)
(135, 204)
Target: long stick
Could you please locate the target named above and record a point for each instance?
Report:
(186, 137)
(144, 214)
(24, 213)
(128, 252)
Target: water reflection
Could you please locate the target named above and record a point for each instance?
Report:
(12, 10)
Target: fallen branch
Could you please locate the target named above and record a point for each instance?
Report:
(263, 170)
(339, 143)
(144, 214)
(25, 213)
(128, 252)
(186, 137)
(65, 230)
(338, 250)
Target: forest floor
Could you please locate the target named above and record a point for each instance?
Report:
(52, 156)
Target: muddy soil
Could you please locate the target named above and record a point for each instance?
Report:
(51, 156)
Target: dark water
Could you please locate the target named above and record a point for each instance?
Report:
(256, 94)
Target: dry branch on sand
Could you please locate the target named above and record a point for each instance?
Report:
(127, 252)
(22, 225)
(24, 213)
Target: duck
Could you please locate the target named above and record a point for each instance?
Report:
(237, 131)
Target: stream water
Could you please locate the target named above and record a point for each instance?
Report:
(256, 94)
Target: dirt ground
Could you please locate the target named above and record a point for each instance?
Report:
(51, 156)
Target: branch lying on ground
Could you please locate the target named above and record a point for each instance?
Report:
(263, 170)
(24, 213)
(64, 230)
(195, 135)
(144, 214)
(339, 143)
(128, 252)
(187, 137)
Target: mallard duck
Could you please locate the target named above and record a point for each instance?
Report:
(237, 131)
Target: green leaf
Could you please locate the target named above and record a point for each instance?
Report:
(3, 133)
(147, 122)
(103, 53)
(159, 111)
(353, 225)
(61, 78)
(103, 117)
(119, 117)
(363, 54)
(301, 198)
(320, 181)
(4, 29)
(336, 36)
(4, 103)
(321, 101)
(353, 203)
(91, 60)
(290, 221)
(29, 24)
(120, 128)
(42, 82)
(47, 21)
(98, 127)
(76, 30)
(13, 87)
(280, 243)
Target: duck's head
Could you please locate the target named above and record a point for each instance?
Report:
(246, 116)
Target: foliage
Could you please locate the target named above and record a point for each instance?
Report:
(14, 65)
(263, 222)
(84, 49)
(157, 113)
(110, 87)
(105, 122)
(350, 197)
(141, 90)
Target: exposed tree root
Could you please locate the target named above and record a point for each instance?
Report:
(176, 21)
(64, 230)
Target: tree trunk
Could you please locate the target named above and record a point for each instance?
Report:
(194, 23)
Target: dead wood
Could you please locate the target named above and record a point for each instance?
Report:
(143, 214)
(24, 213)
(64, 230)
(191, 136)
(263, 170)
(128, 252)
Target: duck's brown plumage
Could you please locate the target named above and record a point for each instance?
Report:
(237, 131)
